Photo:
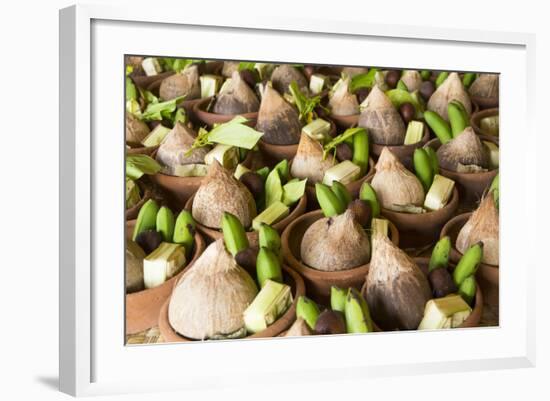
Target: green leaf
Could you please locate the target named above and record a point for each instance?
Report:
(133, 107)
(131, 91)
(305, 105)
(158, 111)
(273, 188)
(178, 64)
(235, 133)
(293, 191)
(343, 137)
(283, 169)
(137, 165)
(244, 65)
(400, 96)
(363, 80)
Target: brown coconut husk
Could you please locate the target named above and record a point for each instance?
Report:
(394, 184)
(277, 119)
(412, 80)
(220, 192)
(136, 130)
(186, 83)
(237, 99)
(298, 329)
(134, 267)
(135, 63)
(385, 125)
(335, 243)
(483, 225)
(229, 67)
(308, 162)
(172, 150)
(466, 149)
(343, 102)
(353, 71)
(485, 85)
(451, 89)
(396, 288)
(211, 297)
(283, 76)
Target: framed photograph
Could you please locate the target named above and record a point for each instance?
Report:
(311, 190)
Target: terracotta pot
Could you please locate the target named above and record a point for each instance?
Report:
(352, 187)
(282, 324)
(212, 118)
(148, 151)
(475, 121)
(145, 82)
(484, 103)
(188, 106)
(475, 316)
(470, 185)
(132, 212)
(214, 234)
(487, 275)
(143, 307)
(318, 282)
(275, 153)
(403, 152)
(345, 121)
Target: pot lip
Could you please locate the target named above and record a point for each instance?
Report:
(200, 245)
(425, 140)
(202, 114)
(481, 101)
(476, 117)
(164, 323)
(311, 272)
(452, 204)
(482, 174)
(145, 81)
(457, 220)
(346, 121)
(294, 213)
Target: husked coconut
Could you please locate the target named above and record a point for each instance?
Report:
(343, 102)
(466, 149)
(451, 89)
(412, 80)
(237, 99)
(136, 130)
(485, 86)
(277, 119)
(134, 267)
(308, 162)
(185, 83)
(283, 76)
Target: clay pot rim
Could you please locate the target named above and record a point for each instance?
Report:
(477, 310)
(481, 174)
(145, 81)
(204, 115)
(485, 102)
(457, 220)
(424, 141)
(164, 322)
(294, 213)
(301, 267)
(453, 203)
(348, 121)
(476, 117)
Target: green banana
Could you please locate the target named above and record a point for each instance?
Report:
(456, 119)
(468, 79)
(147, 218)
(234, 234)
(307, 310)
(423, 168)
(268, 267)
(338, 299)
(165, 224)
(468, 263)
(467, 289)
(425, 74)
(495, 189)
(367, 193)
(361, 150)
(401, 85)
(440, 254)
(269, 238)
(329, 202)
(357, 313)
(441, 77)
(341, 192)
(433, 159)
(184, 230)
(263, 172)
(284, 170)
(439, 126)
(461, 107)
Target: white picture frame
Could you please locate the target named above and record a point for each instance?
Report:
(93, 358)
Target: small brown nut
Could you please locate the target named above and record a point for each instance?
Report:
(247, 259)
(149, 240)
(362, 212)
(253, 182)
(427, 88)
(330, 322)
(407, 112)
(442, 282)
(392, 77)
(344, 152)
(362, 94)
(250, 77)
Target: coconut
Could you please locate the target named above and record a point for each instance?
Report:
(412, 79)
(335, 243)
(238, 98)
(185, 83)
(134, 267)
(451, 89)
(136, 130)
(397, 290)
(229, 67)
(283, 76)
(385, 125)
(221, 192)
(353, 71)
(343, 102)
(277, 119)
(482, 226)
(299, 328)
(394, 184)
(308, 162)
(210, 299)
(172, 150)
(466, 149)
(486, 85)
